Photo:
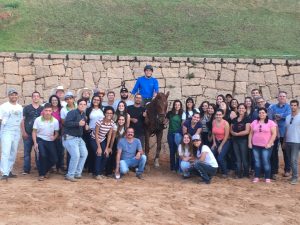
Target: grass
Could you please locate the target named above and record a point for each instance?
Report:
(255, 28)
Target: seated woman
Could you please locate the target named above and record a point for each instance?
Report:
(206, 164)
(185, 152)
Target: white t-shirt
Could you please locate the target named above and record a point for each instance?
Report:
(210, 158)
(183, 152)
(11, 116)
(95, 115)
(63, 103)
(45, 128)
(64, 111)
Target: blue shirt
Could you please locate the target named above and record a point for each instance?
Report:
(190, 129)
(146, 86)
(283, 111)
(129, 149)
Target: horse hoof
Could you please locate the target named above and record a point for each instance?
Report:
(156, 163)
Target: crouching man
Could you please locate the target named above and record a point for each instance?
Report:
(130, 154)
(45, 131)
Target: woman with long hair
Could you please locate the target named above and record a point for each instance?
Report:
(261, 139)
(233, 105)
(204, 120)
(250, 107)
(219, 99)
(221, 144)
(211, 115)
(190, 108)
(228, 114)
(175, 118)
(185, 152)
(56, 107)
(240, 129)
(94, 113)
(122, 110)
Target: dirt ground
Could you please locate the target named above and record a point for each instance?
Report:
(161, 198)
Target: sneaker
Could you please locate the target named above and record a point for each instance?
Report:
(78, 177)
(71, 179)
(11, 175)
(294, 181)
(117, 176)
(25, 173)
(99, 177)
(41, 178)
(255, 180)
(268, 180)
(140, 176)
(4, 177)
(224, 176)
(286, 174)
(273, 177)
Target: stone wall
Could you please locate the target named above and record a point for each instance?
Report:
(202, 78)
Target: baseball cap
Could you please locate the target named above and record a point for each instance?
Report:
(123, 89)
(148, 67)
(11, 91)
(69, 94)
(196, 137)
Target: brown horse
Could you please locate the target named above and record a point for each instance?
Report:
(155, 122)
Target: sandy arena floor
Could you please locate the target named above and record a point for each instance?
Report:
(161, 198)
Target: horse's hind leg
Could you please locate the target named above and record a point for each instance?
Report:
(159, 136)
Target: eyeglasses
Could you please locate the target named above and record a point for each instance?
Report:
(291, 120)
(260, 128)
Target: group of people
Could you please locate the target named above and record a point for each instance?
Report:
(107, 137)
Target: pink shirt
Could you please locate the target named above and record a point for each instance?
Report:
(219, 132)
(262, 132)
(56, 115)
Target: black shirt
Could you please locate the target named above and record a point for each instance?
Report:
(71, 125)
(137, 113)
(30, 114)
(238, 126)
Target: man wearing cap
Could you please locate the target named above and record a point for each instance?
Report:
(146, 85)
(60, 93)
(124, 97)
(69, 97)
(30, 113)
(10, 119)
(205, 164)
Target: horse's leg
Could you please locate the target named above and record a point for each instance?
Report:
(158, 148)
(147, 147)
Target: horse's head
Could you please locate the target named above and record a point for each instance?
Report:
(161, 106)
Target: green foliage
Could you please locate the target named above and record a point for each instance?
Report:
(158, 27)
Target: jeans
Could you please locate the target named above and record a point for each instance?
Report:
(262, 159)
(292, 150)
(275, 158)
(100, 161)
(47, 156)
(177, 138)
(9, 145)
(28, 144)
(60, 152)
(185, 167)
(173, 151)
(78, 153)
(125, 164)
(205, 171)
(240, 147)
(221, 157)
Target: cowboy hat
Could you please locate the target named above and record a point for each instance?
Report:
(58, 88)
(80, 91)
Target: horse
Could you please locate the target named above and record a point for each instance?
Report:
(156, 112)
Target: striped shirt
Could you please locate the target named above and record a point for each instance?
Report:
(103, 129)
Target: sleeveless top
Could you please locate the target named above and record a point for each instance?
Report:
(219, 132)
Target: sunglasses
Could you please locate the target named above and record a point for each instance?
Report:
(260, 128)
(291, 120)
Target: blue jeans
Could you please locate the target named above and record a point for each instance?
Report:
(240, 147)
(78, 153)
(221, 157)
(275, 158)
(293, 150)
(60, 151)
(205, 171)
(28, 144)
(185, 167)
(9, 145)
(262, 159)
(100, 161)
(47, 156)
(174, 164)
(128, 163)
